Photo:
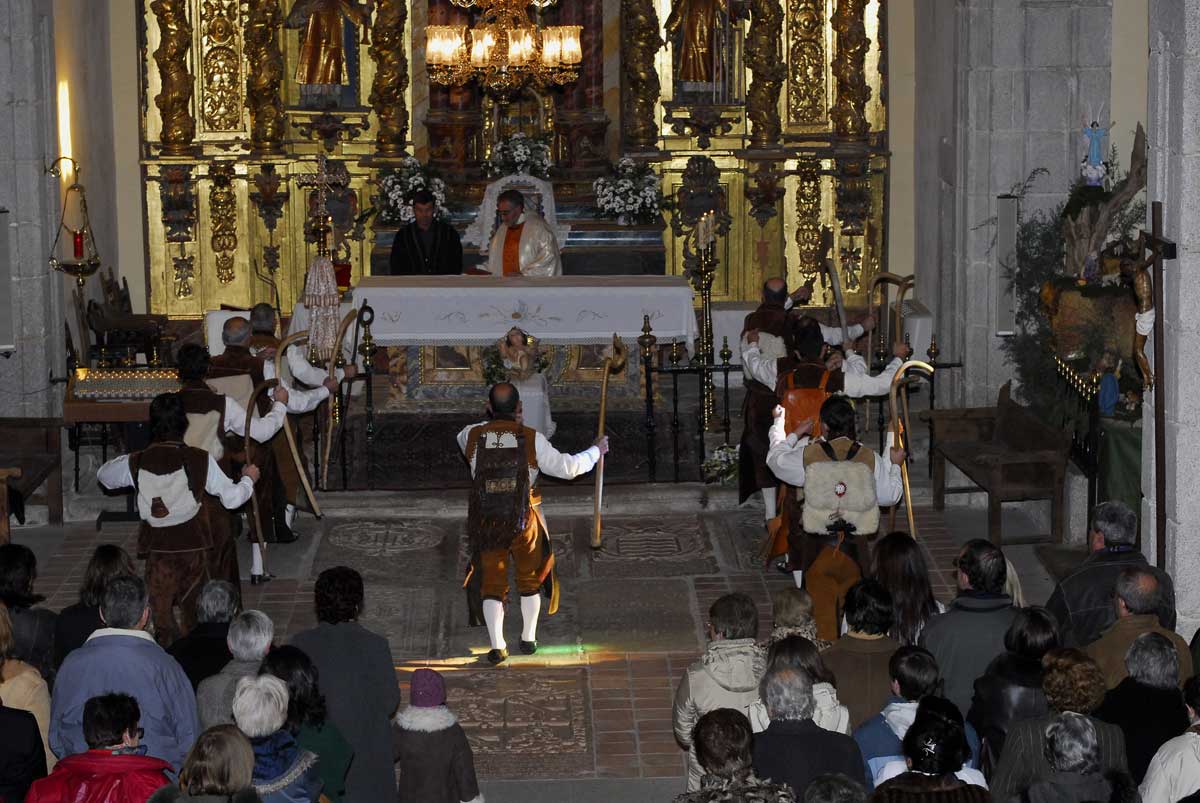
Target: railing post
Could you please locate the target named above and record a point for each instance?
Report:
(675, 406)
(367, 349)
(648, 343)
(726, 355)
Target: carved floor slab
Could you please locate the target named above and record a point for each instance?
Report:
(407, 550)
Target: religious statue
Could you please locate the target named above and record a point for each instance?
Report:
(697, 30)
(1138, 271)
(1093, 167)
(321, 68)
(522, 361)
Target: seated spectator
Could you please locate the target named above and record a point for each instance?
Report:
(22, 757)
(114, 769)
(22, 688)
(798, 652)
(793, 749)
(792, 609)
(966, 638)
(1082, 601)
(859, 659)
(726, 676)
(218, 769)
(900, 567)
(358, 679)
(1011, 689)
(1147, 706)
(283, 771)
(432, 752)
(935, 748)
(1074, 757)
(722, 740)
(307, 718)
(914, 676)
(123, 658)
(1174, 771)
(1137, 601)
(1072, 682)
(204, 651)
(33, 628)
(249, 640)
(940, 710)
(77, 622)
(834, 788)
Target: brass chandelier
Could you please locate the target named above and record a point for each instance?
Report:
(504, 50)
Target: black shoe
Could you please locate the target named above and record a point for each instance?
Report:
(497, 656)
(528, 647)
(259, 579)
(283, 535)
(785, 566)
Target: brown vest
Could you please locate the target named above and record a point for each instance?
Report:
(262, 340)
(201, 400)
(772, 319)
(238, 360)
(500, 506)
(166, 458)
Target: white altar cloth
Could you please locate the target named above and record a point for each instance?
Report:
(564, 310)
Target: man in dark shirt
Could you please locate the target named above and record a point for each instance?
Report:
(427, 245)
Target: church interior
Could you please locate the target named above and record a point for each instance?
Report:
(631, 214)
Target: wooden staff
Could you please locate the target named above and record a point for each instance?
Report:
(280, 352)
(336, 413)
(613, 364)
(897, 381)
(246, 441)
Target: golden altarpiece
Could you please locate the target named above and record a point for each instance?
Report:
(779, 109)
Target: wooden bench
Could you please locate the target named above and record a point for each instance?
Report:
(1008, 453)
(30, 454)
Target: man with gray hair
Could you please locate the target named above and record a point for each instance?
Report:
(202, 652)
(249, 640)
(1082, 601)
(1073, 753)
(282, 769)
(122, 658)
(794, 750)
(1135, 604)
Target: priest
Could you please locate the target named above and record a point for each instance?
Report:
(524, 244)
(426, 246)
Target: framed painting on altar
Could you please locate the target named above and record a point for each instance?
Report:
(451, 365)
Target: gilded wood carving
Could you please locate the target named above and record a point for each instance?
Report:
(764, 57)
(808, 216)
(640, 41)
(221, 66)
(222, 207)
(849, 67)
(806, 81)
(391, 77)
(174, 101)
(262, 51)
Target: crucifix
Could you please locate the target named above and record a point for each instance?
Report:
(323, 180)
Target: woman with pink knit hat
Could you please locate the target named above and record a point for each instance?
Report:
(432, 752)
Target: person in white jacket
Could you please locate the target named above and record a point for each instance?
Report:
(1174, 772)
(799, 652)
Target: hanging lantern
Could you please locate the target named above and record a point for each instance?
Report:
(80, 258)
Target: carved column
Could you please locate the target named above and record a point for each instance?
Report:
(849, 68)
(391, 77)
(764, 57)
(261, 38)
(640, 40)
(174, 101)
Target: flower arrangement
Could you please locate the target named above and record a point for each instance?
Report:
(397, 187)
(722, 466)
(519, 154)
(632, 193)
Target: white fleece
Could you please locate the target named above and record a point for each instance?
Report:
(425, 720)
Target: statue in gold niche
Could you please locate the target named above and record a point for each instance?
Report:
(697, 31)
(322, 63)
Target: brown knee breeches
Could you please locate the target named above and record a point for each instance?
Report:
(175, 578)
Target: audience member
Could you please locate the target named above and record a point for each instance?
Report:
(1011, 689)
(722, 739)
(22, 756)
(204, 651)
(859, 659)
(22, 688)
(914, 676)
(1082, 601)
(33, 628)
(793, 749)
(726, 676)
(899, 566)
(800, 653)
(283, 771)
(966, 638)
(358, 680)
(834, 788)
(935, 749)
(432, 752)
(943, 711)
(307, 719)
(1072, 682)
(218, 769)
(77, 622)
(249, 640)
(1174, 771)
(1147, 706)
(1136, 603)
(114, 769)
(123, 658)
(1074, 757)
(792, 611)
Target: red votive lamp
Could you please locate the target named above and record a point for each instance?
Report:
(79, 245)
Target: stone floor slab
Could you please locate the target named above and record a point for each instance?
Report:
(652, 615)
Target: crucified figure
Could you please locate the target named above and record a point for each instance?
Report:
(1138, 271)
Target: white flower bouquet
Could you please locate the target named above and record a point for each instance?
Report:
(397, 187)
(519, 154)
(632, 193)
(722, 466)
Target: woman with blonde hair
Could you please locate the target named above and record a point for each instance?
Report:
(218, 769)
(22, 687)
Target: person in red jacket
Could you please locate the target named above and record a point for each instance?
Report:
(115, 768)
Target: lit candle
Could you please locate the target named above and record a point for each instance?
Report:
(79, 244)
(572, 51)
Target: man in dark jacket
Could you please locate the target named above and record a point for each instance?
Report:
(1082, 601)
(966, 638)
(22, 757)
(203, 652)
(427, 245)
(794, 750)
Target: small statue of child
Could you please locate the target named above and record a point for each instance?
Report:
(515, 350)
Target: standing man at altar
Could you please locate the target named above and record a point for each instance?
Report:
(426, 246)
(523, 245)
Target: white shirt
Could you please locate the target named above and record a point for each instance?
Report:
(858, 381)
(550, 460)
(261, 429)
(1174, 771)
(304, 370)
(832, 334)
(299, 401)
(786, 460)
(115, 474)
